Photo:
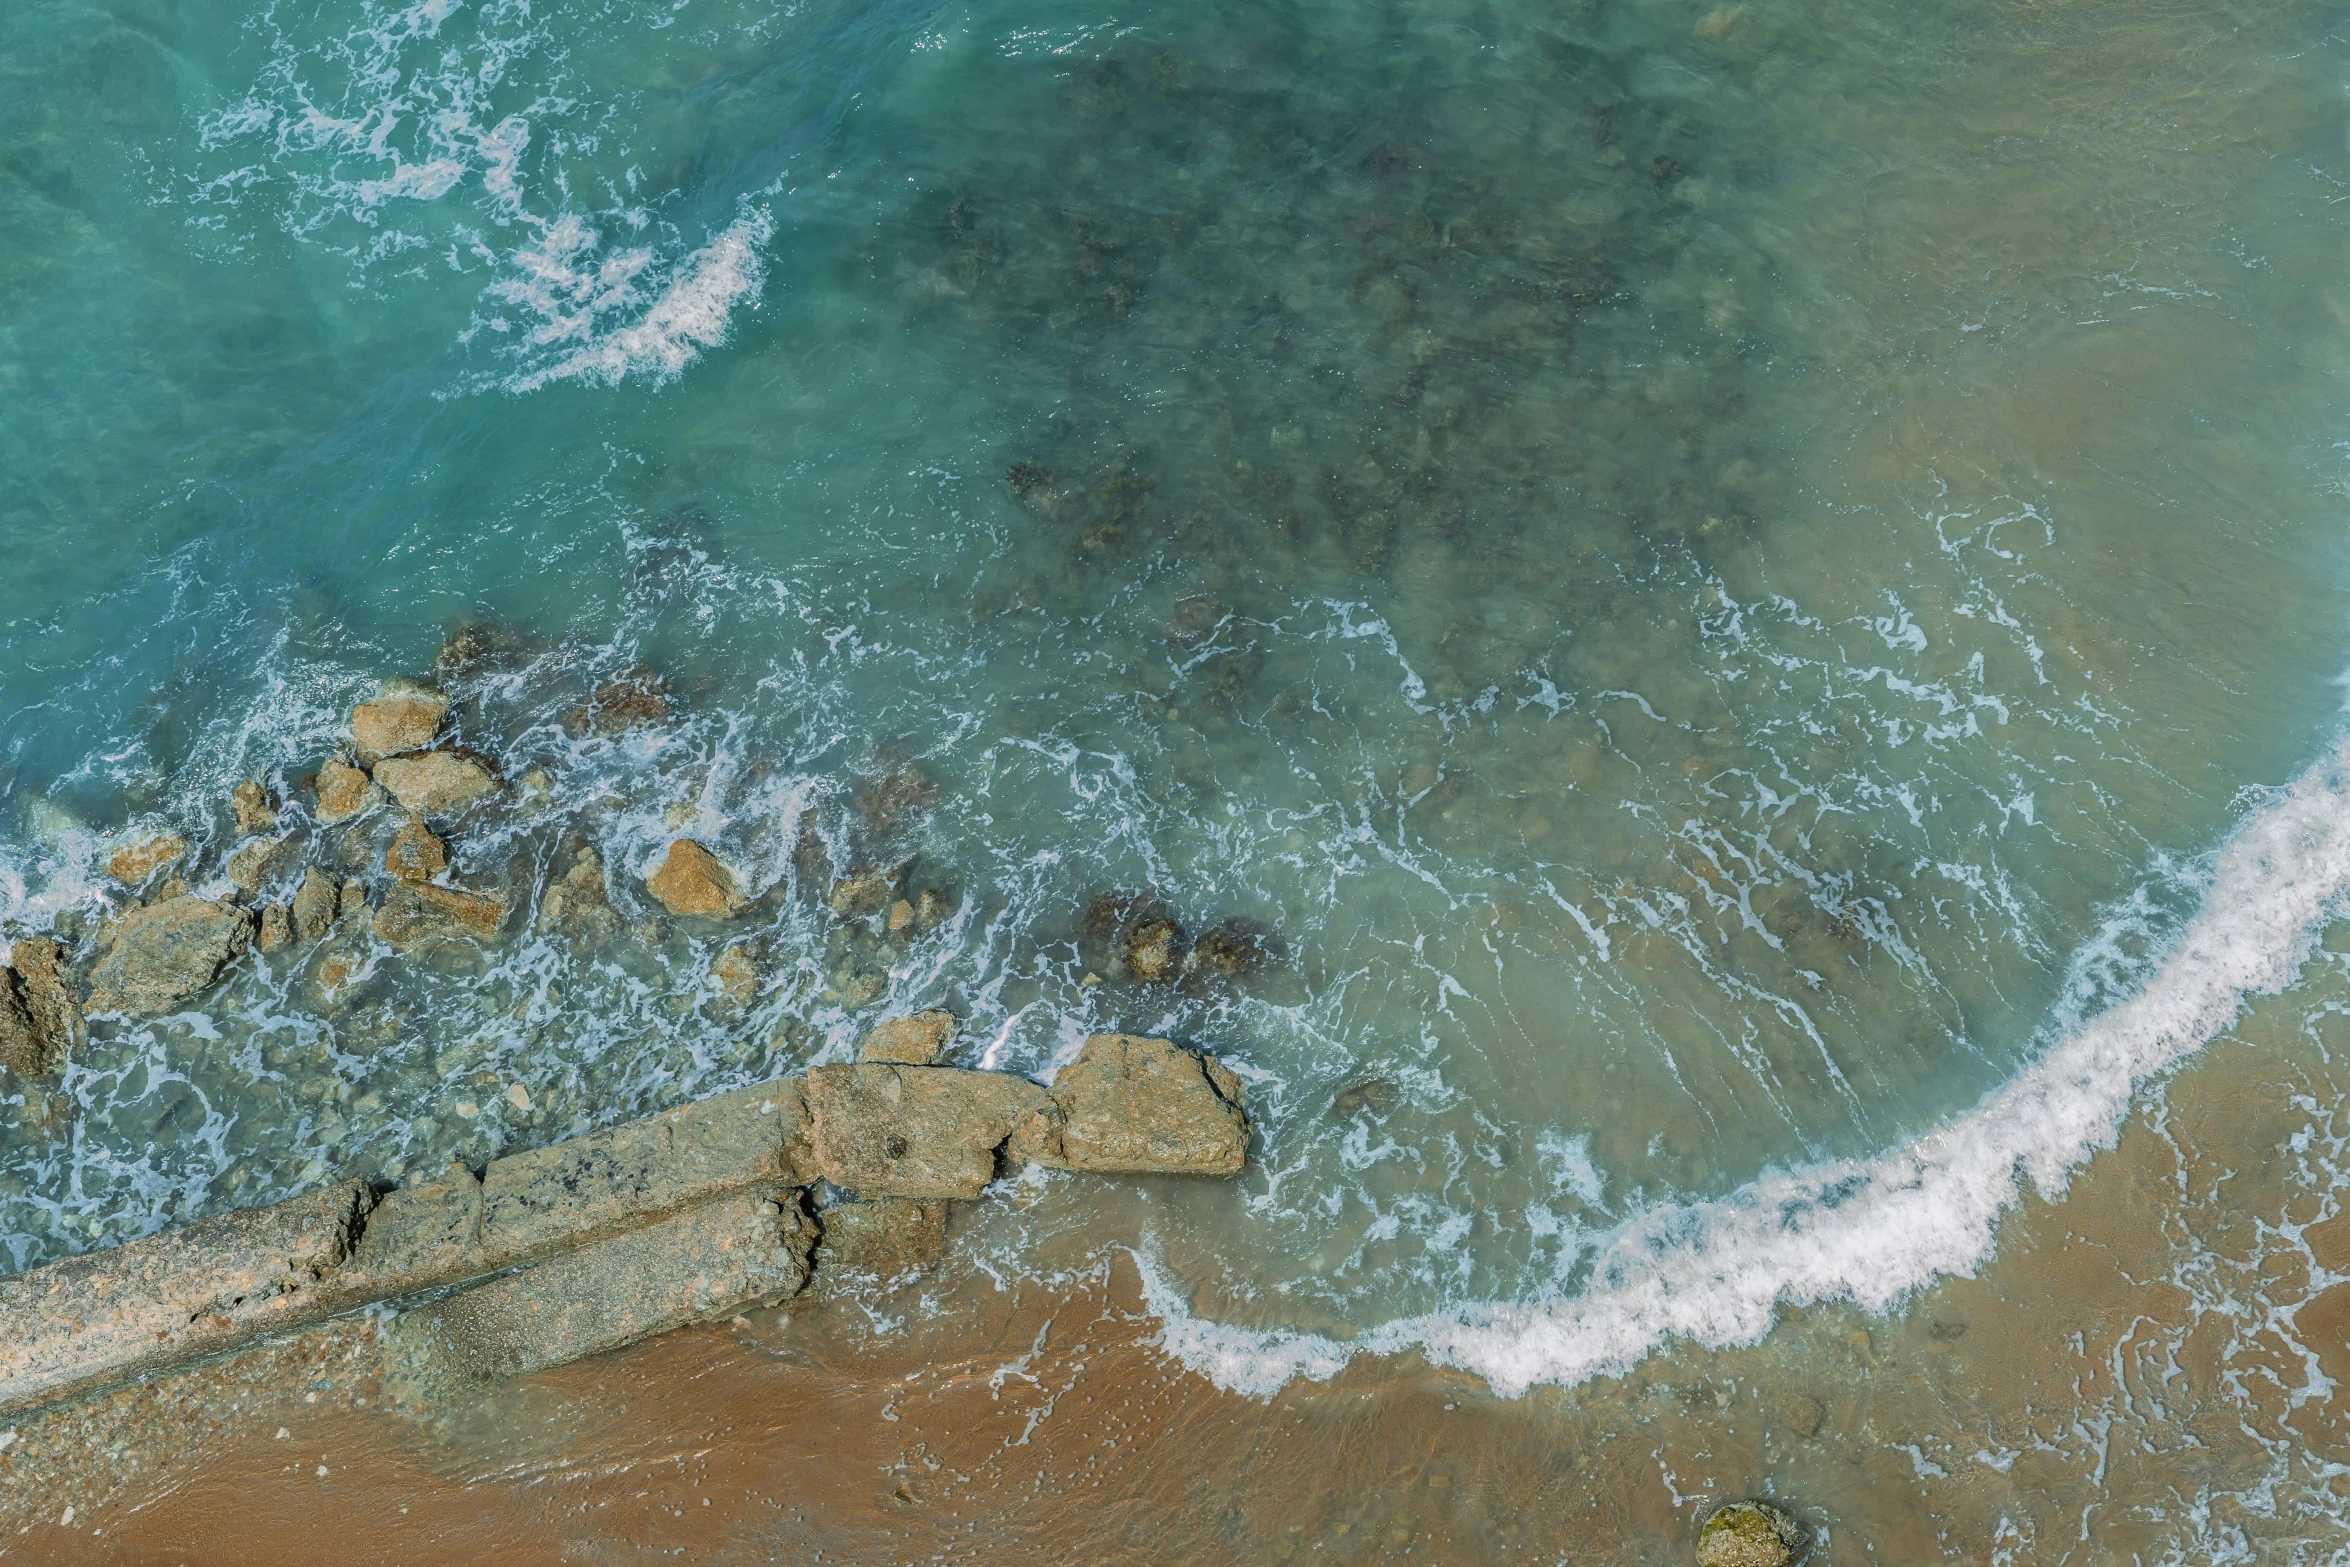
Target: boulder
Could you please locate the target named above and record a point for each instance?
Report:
(276, 929)
(636, 698)
(863, 892)
(417, 913)
(40, 1020)
(344, 792)
(403, 718)
(1142, 1106)
(416, 854)
(888, 1236)
(1748, 1534)
(690, 880)
(254, 806)
(156, 957)
(577, 903)
(132, 866)
(317, 903)
(914, 1131)
(255, 865)
(434, 783)
(920, 1040)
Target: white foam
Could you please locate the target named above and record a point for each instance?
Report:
(693, 313)
(1871, 1231)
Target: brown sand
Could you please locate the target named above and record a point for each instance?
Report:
(2136, 1368)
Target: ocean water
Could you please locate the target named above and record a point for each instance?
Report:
(1744, 604)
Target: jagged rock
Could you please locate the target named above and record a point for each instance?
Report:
(434, 783)
(690, 880)
(1748, 1534)
(344, 792)
(416, 854)
(40, 1020)
(920, 1040)
(254, 806)
(415, 913)
(156, 957)
(635, 698)
(736, 974)
(888, 1236)
(1141, 1106)
(317, 903)
(914, 1131)
(901, 918)
(1233, 949)
(256, 864)
(405, 717)
(864, 892)
(930, 907)
(577, 902)
(276, 930)
(352, 899)
(132, 866)
(1154, 950)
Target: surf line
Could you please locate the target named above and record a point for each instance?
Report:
(1868, 1231)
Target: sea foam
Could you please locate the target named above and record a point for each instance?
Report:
(1869, 1231)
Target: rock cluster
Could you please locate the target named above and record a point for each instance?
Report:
(691, 1215)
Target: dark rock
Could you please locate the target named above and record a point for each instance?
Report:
(637, 698)
(1154, 950)
(1375, 1094)
(1802, 1414)
(153, 958)
(736, 974)
(40, 1020)
(864, 892)
(888, 1236)
(1234, 949)
(577, 903)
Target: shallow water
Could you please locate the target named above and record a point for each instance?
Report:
(1749, 593)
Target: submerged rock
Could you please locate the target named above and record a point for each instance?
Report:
(1154, 950)
(914, 1131)
(629, 701)
(1234, 949)
(156, 957)
(134, 865)
(317, 903)
(40, 1020)
(344, 792)
(577, 903)
(1141, 1106)
(1748, 1534)
(415, 913)
(888, 1236)
(435, 783)
(864, 892)
(254, 807)
(736, 974)
(691, 880)
(256, 864)
(276, 929)
(920, 1040)
(416, 854)
(405, 717)
(1373, 1094)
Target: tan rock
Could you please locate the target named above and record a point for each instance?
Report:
(276, 930)
(403, 718)
(416, 854)
(930, 908)
(1748, 1534)
(920, 1040)
(344, 792)
(434, 783)
(317, 903)
(1144, 1106)
(254, 806)
(690, 880)
(863, 892)
(914, 1131)
(156, 957)
(415, 913)
(901, 918)
(889, 1236)
(134, 865)
(736, 974)
(256, 864)
(40, 1019)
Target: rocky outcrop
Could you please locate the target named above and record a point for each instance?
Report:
(317, 904)
(1749, 1534)
(914, 1131)
(40, 1020)
(405, 717)
(134, 865)
(254, 807)
(107, 1316)
(920, 1040)
(435, 783)
(256, 864)
(344, 792)
(887, 1237)
(415, 914)
(416, 853)
(1141, 1106)
(691, 880)
(154, 958)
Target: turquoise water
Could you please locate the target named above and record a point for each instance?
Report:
(1717, 577)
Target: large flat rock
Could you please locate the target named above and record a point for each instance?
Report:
(1137, 1106)
(703, 1264)
(159, 956)
(108, 1316)
(914, 1131)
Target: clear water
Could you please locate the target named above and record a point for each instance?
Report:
(1720, 575)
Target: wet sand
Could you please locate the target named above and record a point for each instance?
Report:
(2148, 1371)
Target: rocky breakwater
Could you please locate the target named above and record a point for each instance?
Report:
(579, 1247)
